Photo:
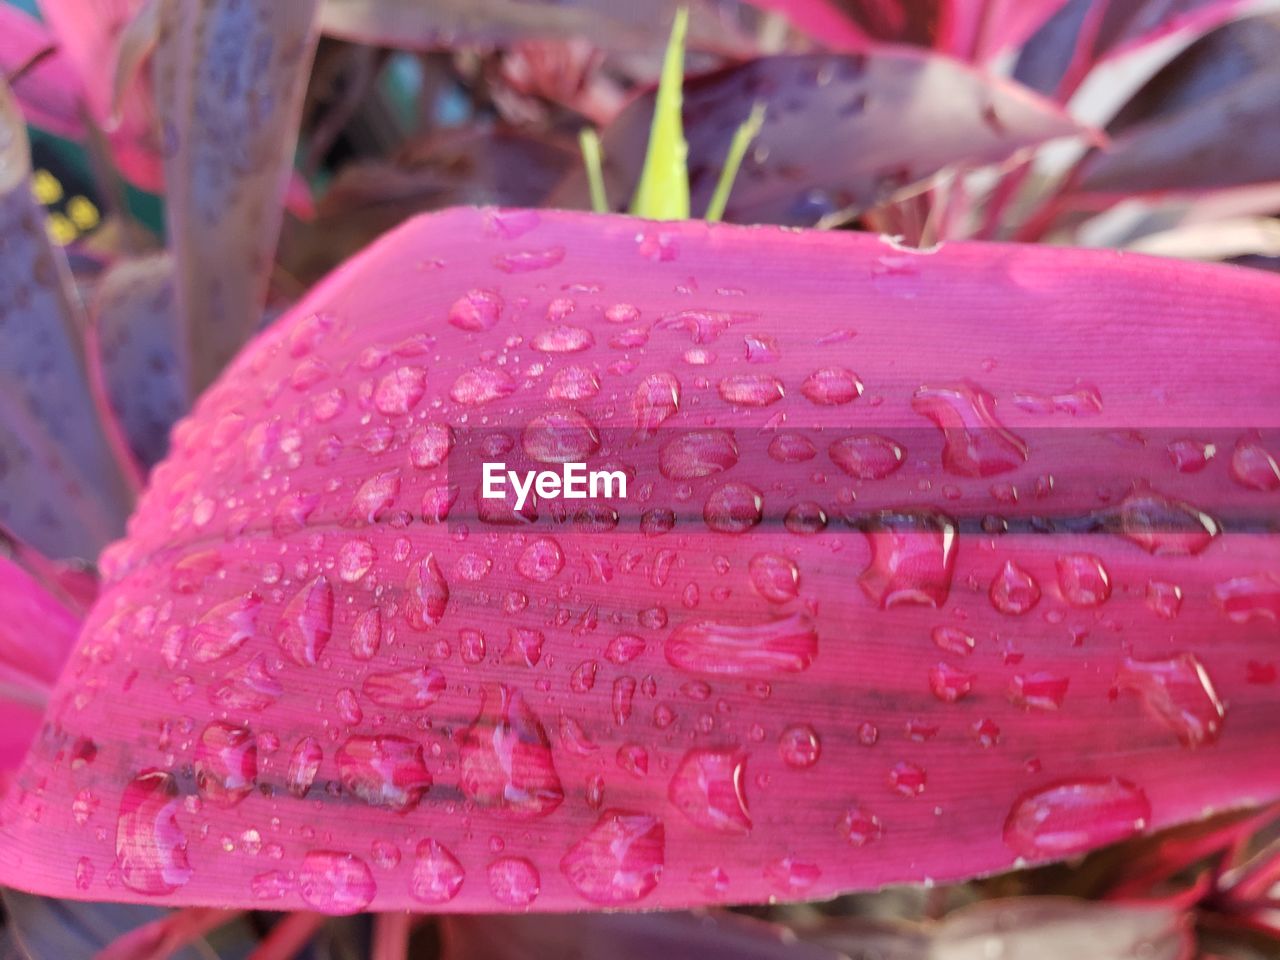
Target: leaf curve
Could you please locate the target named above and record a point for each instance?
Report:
(903, 600)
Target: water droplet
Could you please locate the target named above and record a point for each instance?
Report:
(952, 640)
(561, 436)
(1253, 597)
(624, 648)
(1013, 590)
(355, 558)
(514, 881)
(225, 628)
(430, 445)
(708, 787)
(907, 779)
(480, 385)
(799, 746)
(1161, 526)
(791, 876)
(619, 860)
(400, 391)
(792, 448)
(868, 456)
(831, 386)
(366, 634)
(975, 443)
(751, 389)
(698, 453)
(307, 623)
(541, 560)
(413, 689)
(426, 594)
(525, 261)
(151, 849)
(774, 577)
(1191, 456)
(303, 766)
(1083, 579)
(949, 684)
(563, 338)
(656, 399)
(335, 882)
(437, 874)
(476, 311)
(1164, 599)
(1038, 691)
(1074, 816)
(805, 518)
(633, 759)
(226, 764)
(1253, 467)
(248, 687)
(859, 827)
(787, 645)
(384, 771)
(733, 508)
(1177, 691)
(912, 558)
(506, 759)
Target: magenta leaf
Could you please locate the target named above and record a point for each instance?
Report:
(137, 337)
(47, 85)
(784, 666)
(230, 79)
(61, 488)
(889, 120)
(1204, 122)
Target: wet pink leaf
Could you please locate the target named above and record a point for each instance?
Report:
(228, 73)
(889, 119)
(760, 674)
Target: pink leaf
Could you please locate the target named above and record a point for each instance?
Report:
(49, 88)
(759, 674)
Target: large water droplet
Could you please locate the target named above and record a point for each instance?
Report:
(949, 684)
(1161, 526)
(225, 628)
(304, 764)
(151, 849)
(307, 623)
(476, 311)
(868, 456)
(481, 385)
(975, 443)
(656, 399)
(1083, 580)
(437, 874)
(1013, 590)
(563, 338)
(384, 771)
(751, 389)
(1178, 692)
(708, 787)
(1075, 815)
(733, 508)
(335, 882)
(799, 746)
(413, 689)
(774, 577)
(858, 826)
(698, 453)
(506, 759)
(226, 764)
(400, 391)
(831, 386)
(514, 881)
(787, 645)
(426, 594)
(541, 560)
(430, 445)
(619, 860)
(912, 558)
(1252, 597)
(1253, 467)
(1038, 691)
(561, 436)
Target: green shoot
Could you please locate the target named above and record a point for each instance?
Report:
(663, 192)
(593, 160)
(733, 161)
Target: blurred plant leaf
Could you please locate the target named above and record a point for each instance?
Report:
(612, 24)
(887, 122)
(51, 434)
(1208, 120)
(672, 936)
(229, 78)
(1083, 33)
(48, 87)
(137, 337)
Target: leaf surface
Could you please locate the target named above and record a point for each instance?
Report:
(932, 565)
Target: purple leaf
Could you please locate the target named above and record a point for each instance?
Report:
(886, 122)
(141, 346)
(229, 78)
(51, 435)
(1206, 121)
